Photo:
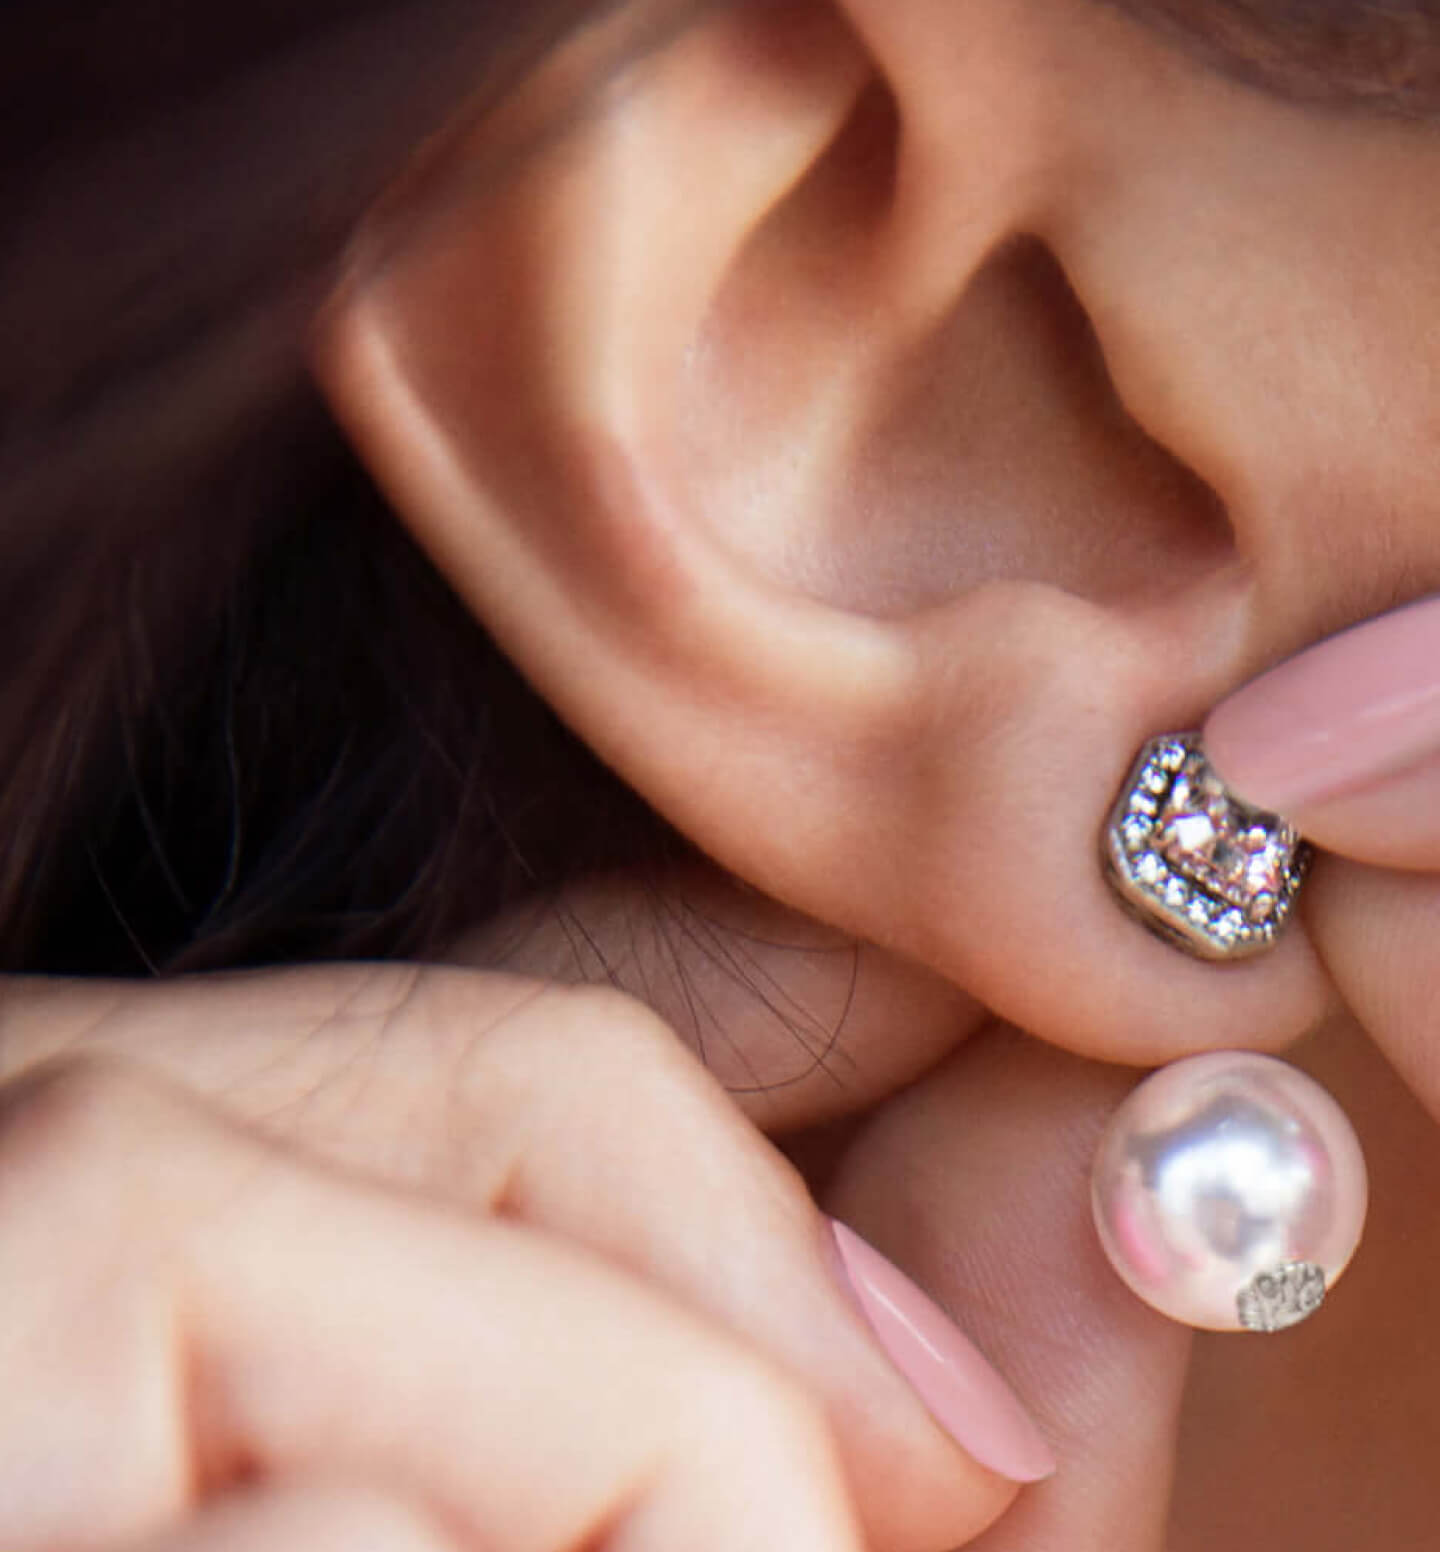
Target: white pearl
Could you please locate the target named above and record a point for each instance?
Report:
(1221, 1169)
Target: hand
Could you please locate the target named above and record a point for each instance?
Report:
(1344, 739)
(385, 1245)
(1323, 1439)
(977, 1180)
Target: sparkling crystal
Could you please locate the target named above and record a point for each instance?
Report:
(1189, 835)
(1264, 869)
(1136, 832)
(1274, 1300)
(1217, 875)
(1213, 839)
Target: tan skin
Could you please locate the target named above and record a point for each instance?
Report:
(878, 616)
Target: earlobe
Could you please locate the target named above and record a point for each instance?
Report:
(796, 483)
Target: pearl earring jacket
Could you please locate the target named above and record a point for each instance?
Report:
(1229, 1191)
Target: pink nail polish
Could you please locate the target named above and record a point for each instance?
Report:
(1358, 707)
(963, 1392)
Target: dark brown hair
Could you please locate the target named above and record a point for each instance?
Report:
(241, 720)
(1374, 55)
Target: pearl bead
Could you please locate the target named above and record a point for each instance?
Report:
(1225, 1187)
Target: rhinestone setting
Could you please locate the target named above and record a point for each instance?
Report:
(1276, 1300)
(1209, 873)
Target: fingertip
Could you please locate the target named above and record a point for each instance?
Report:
(963, 1391)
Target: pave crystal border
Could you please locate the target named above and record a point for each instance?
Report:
(1277, 1300)
(1166, 899)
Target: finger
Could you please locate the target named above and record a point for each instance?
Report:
(1378, 933)
(185, 1307)
(977, 1181)
(580, 1114)
(293, 1518)
(1344, 739)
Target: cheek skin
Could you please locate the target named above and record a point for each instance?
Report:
(1267, 301)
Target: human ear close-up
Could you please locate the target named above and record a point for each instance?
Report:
(867, 425)
(651, 647)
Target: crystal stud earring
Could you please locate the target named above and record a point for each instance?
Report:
(1205, 871)
(1229, 1191)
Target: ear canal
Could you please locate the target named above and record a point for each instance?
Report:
(776, 449)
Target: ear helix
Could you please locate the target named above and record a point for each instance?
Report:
(783, 565)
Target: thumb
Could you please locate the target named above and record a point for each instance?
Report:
(977, 1181)
(1344, 739)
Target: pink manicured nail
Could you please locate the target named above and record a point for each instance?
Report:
(1358, 707)
(965, 1395)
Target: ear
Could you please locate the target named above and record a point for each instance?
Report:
(766, 413)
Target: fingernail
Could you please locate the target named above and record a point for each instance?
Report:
(964, 1394)
(1351, 711)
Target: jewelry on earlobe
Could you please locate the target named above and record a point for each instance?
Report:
(1229, 1192)
(1206, 872)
